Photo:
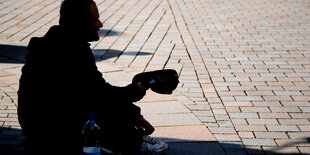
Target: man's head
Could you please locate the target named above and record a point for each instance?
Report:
(81, 16)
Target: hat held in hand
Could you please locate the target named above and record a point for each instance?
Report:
(160, 81)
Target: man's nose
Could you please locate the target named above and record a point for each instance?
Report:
(100, 24)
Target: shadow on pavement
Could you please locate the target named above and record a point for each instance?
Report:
(13, 54)
(104, 54)
(16, 54)
(11, 143)
(105, 32)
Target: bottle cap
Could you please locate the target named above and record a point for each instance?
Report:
(91, 116)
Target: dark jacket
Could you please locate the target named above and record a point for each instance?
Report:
(60, 85)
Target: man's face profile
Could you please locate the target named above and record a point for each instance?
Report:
(93, 24)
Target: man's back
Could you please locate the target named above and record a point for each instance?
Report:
(55, 86)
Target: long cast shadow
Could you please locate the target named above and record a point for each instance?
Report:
(13, 54)
(104, 54)
(16, 54)
(106, 32)
(11, 143)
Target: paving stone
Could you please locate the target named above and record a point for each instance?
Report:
(238, 103)
(198, 148)
(249, 98)
(282, 128)
(239, 121)
(227, 137)
(260, 142)
(274, 115)
(270, 135)
(221, 130)
(193, 133)
(294, 121)
(285, 109)
(225, 123)
(281, 150)
(254, 69)
(254, 150)
(243, 115)
(172, 119)
(254, 109)
(304, 127)
(305, 109)
(246, 135)
(287, 93)
(299, 135)
(235, 152)
(304, 150)
(207, 119)
(232, 145)
(262, 121)
(300, 115)
(165, 107)
(292, 142)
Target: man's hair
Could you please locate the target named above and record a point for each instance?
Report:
(73, 11)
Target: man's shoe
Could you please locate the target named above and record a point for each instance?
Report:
(153, 146)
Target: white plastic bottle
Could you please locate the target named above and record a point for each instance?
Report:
(91, 132)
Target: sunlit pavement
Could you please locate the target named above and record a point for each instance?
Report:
(244, 68)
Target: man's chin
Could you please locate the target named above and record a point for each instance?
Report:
(90, 39)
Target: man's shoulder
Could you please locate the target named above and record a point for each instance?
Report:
(35, 42)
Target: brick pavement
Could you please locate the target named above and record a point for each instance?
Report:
(244, 66)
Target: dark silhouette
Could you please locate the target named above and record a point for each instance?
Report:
(60, 85)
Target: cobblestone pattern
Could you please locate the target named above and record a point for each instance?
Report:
(244, 66)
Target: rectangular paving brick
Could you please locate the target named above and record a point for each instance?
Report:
(305, 109)
(277, 98)
(285, 109)
(262, 121)
(244, 134)
(292, 142)
(294, 121)
(227, 137)
(304, 150)
(254, 150)
(259, 142)
(282, 128)
(282, 93)
(248, 98)
(231, 145)
(281, 150)
(267, 104)
(299, 135)
(237, 103)
(236, 121)
(294, 103)
(254, 109)
(250, 127)
(304, 127)
(300, 115)
(274, 115)
(243, 115)
(270, 135)
(206, 119)
(221, 130)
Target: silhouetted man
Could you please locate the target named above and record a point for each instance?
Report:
(60, 85)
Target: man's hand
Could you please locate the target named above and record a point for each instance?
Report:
(142, 88)
(144, 126)
(139, 91)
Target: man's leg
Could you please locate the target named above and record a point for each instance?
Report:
(121, 138)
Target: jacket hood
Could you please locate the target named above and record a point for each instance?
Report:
(39, 43)
(56, 37)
